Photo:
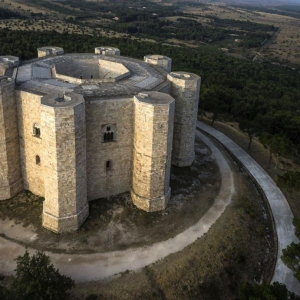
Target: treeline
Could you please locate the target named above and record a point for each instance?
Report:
(290, 179)
(283, 12)
(242, 25)
(152, 26)
(265, 94)
(7, 14)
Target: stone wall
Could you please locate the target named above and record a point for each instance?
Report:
(29, 113)
(10, 168)
(153, 135)
(64, 152)
(118, 113)
(185, 89)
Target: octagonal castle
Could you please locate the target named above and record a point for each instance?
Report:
(78, 127)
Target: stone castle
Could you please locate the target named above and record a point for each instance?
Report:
(78, 127)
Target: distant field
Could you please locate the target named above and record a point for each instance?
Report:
(284, 45)
(229, 28)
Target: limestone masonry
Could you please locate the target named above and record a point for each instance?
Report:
(78, 127)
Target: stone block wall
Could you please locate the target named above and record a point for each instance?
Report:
(64, 143)
(10, 168)
(119, 114)
(29, 113)
(154, 113)
(185, 89)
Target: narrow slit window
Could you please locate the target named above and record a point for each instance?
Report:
(37, 159)
(108, 165)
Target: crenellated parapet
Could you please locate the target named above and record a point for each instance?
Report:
(185, 89)
(10, 167)
(64, 162)
(152, 150)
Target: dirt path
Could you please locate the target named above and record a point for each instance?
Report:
(89, 267)
(281, 211)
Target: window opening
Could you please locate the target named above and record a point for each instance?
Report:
(36, 130)
(108, 165)
(37, 160)
(108, 135)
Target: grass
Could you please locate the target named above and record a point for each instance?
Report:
(278, 165)
(237, 248)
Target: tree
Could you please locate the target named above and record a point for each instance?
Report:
(250, 128)
(291, 257)
(275, 291)
(296, 223)
(37, 279)
(276, 145)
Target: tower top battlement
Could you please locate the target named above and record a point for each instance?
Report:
(154, 98)
(65, 100)
(5, 80)
(9, 61)
(107, 50)
(50, 51)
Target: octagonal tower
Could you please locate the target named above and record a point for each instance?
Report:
(159, 60)
(104, 50)
(64, 162)
(153, 133)
(10, 166)
(49, 51)
(185, 89)
(8, 62)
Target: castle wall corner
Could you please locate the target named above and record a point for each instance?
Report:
(10, 167)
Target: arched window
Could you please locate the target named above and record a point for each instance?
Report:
(36, 130)
(37, 160)
(108, 165)
(108, 135)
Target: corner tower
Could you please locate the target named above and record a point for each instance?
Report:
(10, 167)
(185, 89)
(64, 162)
(107, 50)
(159, 60)
(49, 51)
(8, 62)
(153, 133)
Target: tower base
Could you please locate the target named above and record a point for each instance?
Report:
(150, 204)
(8, 192)
(65, 224)
(183, 162)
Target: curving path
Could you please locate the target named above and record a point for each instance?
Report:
(89, 267)
(281, 211)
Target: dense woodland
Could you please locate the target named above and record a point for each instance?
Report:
(283, 10)
(6, 14)
(238, 89)
(150, 20)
